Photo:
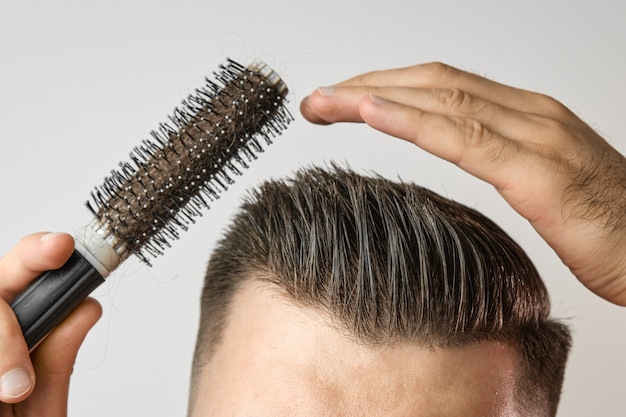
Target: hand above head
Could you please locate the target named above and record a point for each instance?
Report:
(551, 167)
(37, 385)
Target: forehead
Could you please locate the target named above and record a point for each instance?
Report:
(278, 359)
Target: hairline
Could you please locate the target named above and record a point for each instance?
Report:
(263, 279)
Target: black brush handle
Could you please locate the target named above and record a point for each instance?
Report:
(53, 296)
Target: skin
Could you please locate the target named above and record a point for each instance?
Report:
(48, 368)
(548, 165)
(279, 359)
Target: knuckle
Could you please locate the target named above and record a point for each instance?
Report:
(549, 101)
(466, 104)
(456, 98)
(493, 148)
(560, 133)
(473, 132)
(552, 105)
(437, 71)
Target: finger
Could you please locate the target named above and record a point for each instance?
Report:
(462, 141)
(438, 75)
(428, 75)
(54, 359)
(342, 105)
(33, 255)
(309, 113)
(328, 105)
(17, 376)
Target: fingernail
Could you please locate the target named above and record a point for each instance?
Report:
(326, 91)
(50, 236)
(377, 100)
(15, 383)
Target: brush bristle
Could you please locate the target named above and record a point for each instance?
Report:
(190, 160)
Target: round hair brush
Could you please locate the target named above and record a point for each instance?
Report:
(170, 179)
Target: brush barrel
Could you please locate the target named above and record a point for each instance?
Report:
(53, 296)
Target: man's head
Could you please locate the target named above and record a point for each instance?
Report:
(338, 294)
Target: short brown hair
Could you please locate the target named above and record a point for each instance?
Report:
(390, 261)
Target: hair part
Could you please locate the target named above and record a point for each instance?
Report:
(389, 261)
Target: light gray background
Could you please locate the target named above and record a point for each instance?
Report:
(81, 83)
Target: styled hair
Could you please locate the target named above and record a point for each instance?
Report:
(390, 261)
